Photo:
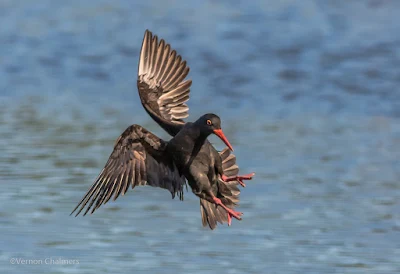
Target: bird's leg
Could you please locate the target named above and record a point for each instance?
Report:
(238, 178)
(231, 213)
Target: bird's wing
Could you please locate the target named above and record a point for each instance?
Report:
(138, 158)
(161, 82)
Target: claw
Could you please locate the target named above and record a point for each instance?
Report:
(238, 178)
(233, 213)
(241, 183)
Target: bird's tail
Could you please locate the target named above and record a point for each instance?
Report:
(228, 192)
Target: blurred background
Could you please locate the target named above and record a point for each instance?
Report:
(308, 92)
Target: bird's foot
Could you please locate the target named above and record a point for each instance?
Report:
(238, 178)
(231, 213)
(230, 217)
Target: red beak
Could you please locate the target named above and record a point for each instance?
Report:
(221, 135)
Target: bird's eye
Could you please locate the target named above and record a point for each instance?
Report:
(209, 122)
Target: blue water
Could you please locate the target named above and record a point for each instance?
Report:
(308, 92)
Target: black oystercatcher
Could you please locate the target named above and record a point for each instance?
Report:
(141, 158)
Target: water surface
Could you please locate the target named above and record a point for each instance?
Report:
(308, 93)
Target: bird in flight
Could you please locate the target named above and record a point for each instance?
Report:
(141, 158)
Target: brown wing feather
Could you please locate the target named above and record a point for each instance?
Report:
(162, 88)
(138, 158)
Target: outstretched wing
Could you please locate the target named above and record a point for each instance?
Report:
(138, 158)
(162, 88)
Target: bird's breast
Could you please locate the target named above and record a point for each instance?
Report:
(185, 154)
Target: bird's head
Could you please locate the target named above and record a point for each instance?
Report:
(211, 123)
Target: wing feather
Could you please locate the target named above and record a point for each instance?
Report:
(162, 87)
(138, 156)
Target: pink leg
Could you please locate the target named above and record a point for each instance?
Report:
(229, 219)
(231, 212)
(238, 178)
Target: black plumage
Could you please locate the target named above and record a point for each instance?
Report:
(141, 158)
